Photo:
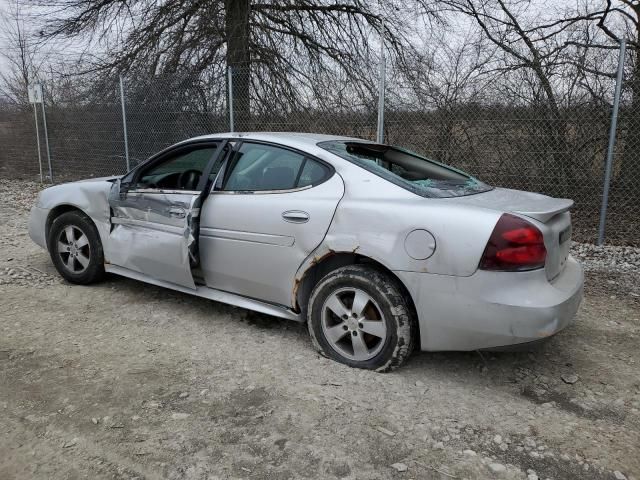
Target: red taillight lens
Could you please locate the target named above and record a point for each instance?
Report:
(514, 245)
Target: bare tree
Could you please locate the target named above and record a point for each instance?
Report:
(279, 45)
(621, 19)
(445, 77)
(20, 55)
(539, 63)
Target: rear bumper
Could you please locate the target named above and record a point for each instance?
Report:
(37, 225)
(493, 309)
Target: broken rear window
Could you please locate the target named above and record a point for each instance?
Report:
(407, 169)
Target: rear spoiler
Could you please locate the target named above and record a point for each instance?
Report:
(559, 205)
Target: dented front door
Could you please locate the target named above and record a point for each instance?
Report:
(153, 232)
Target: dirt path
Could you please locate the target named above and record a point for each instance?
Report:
(126, 380)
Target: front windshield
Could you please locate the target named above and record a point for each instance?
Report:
(406, 169)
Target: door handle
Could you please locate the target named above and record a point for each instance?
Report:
(295, 216)
(177, 212)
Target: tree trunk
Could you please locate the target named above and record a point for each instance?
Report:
(238, 59)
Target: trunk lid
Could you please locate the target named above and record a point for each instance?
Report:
(552, 215)
(534, 205)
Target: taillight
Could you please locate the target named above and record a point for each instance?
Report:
(514, 245)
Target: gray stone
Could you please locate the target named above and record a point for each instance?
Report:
(497, 468)
(400, 467)
(70, 443)
(385, 431)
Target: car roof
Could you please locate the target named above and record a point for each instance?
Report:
(285, 138)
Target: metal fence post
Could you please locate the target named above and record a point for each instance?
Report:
(35, 114)
(381, 87)
(124, 125)
(46, 138)
(612, 142)
(230, 99)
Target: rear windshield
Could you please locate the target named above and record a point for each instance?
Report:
(406, 169)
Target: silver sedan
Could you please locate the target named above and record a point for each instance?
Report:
(378, 249)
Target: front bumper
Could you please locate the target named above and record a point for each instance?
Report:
(493, 309)
(38, 225)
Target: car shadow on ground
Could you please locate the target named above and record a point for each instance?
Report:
(484, 363)
(509, 369)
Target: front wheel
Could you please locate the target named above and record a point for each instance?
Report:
(361, 317)
(75, 248)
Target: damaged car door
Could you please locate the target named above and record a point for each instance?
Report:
(271, 207)
(155, 212)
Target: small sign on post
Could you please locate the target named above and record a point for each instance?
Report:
(35, 96)
(35, 93)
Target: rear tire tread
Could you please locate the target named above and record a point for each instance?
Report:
(401, 313)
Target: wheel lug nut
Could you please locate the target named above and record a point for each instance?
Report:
(360, 325)
(354, 333)
(344, 327)
(354, 315)
(344, 317)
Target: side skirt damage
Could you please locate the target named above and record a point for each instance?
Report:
(212, 294)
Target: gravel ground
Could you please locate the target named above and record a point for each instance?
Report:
(126, 380)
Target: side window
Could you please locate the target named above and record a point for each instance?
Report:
(312, 173)
(258, 167)
(179, 172)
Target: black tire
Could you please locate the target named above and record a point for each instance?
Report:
(94, 270)
(390, 299)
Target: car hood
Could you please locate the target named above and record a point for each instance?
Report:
(534, 205)
(81, 193)
(99, 179)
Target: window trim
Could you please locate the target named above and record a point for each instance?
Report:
(133, 177)
(217, 189)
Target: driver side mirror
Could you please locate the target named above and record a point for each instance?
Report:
(124, 189)
(118, 191)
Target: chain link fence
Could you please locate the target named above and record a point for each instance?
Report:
(85, 132)
(559, 152)
(18, 145)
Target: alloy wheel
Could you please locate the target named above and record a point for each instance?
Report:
(353, 324)
(74, 250)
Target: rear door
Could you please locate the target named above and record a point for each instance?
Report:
(271, 207)
(155, 215)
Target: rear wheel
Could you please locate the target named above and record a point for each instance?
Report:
(360, 316)
(75, 248)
